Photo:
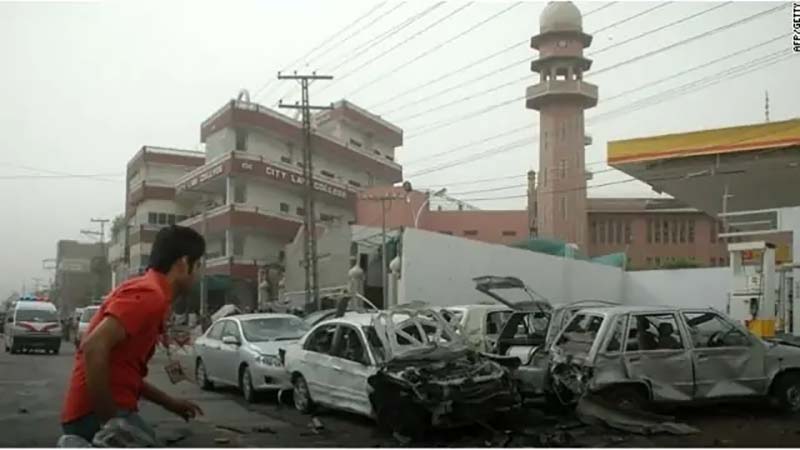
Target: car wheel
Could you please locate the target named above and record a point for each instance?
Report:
(246, 385)
(301, 395)
(787, 392)
(201, 376)
(56, 350)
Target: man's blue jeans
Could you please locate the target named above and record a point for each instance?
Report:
(88, 425)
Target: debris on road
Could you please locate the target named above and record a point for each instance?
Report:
(316, 426)
(264, 429)
(222, 441)
(592, 411)
(230, 428)
(22, 411)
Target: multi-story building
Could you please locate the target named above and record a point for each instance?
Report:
(245, 193)
(254, 174)
(149, 205)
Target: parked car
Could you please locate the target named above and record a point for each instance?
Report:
(530, 330)
(479, 324)
(405, 367)
(87, 314)
(635, 355)
(32, 325)
(243, 351)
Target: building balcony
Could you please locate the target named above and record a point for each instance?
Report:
(246, 114)
(235, 267)
(227, 217)
(559, 91)
(210, 178)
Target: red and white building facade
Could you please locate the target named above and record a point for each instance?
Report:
(245, 192)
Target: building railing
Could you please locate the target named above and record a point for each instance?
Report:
(175, 151)
(219, 210)
(276, 115)
(562, 87)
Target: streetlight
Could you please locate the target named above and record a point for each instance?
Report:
(438, 193)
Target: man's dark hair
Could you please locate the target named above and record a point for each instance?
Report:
(173, 243)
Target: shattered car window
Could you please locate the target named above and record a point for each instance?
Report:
(322, 339)
(495, 321)
(615, 343)
(375, 344)
(710, 330)
(653, 332)
(580, 333)
(351, 347)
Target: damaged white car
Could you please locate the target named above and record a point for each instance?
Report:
(529, 332)
(405, 367)
(635, 355)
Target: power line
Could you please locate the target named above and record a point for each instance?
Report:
(595, 73)
(371, 44)
(512, 65)
(98, 177)
(398, 45)
(747, 67)
(54, 177)
(635, 89)
(486, 109)
(324, 42)
(353, 34)
(472, 64)
(434, 48)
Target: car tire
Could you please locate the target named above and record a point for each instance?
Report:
(56, 350)
(246, 385)
(201, 376)
(301, 395)
(786, 392)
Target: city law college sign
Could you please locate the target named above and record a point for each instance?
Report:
(285, 176)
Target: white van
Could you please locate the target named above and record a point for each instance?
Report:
(33, 325)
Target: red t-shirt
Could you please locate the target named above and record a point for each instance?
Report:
(141, 305)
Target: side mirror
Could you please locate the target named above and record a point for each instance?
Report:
(231, 340)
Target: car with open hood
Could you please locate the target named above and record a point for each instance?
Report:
(244, 351)
(405, 367)
(633, 355)
(529, 331)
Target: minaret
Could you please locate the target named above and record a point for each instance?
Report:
(561, 96)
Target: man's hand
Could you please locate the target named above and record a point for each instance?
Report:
(184, 408)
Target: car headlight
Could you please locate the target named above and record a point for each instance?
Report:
(268, 360)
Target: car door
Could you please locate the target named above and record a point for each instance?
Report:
(657, 353)
(211, 350)
(317, 364)
(352, 365)
(728, 361)
(228, 354)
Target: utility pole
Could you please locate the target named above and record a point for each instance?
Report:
(309, 219)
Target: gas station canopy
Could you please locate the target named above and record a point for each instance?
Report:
(751, 167)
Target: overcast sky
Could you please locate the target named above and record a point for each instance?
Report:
(86, 84)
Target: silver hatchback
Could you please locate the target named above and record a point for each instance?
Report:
(243, 351)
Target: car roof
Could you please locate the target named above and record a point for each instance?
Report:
(36, 305)
(251, 316)
(479, 306)
(613, 310)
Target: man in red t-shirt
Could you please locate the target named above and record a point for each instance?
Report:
(111, 362)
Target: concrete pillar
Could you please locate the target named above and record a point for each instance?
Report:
(229, 243)
(789, 220)
(229, 189)
(394, 282)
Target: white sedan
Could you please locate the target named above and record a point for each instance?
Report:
(243, 351)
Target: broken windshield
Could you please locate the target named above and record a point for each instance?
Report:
(408, 330)
(580, 333)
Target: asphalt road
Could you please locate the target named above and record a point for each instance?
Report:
(32, 389)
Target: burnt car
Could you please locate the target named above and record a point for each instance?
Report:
(632, 356)
(531, 329)
(405, 367)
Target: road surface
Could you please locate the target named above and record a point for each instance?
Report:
(32, 388)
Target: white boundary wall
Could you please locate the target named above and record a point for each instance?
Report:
(439, 269)
(693, 288)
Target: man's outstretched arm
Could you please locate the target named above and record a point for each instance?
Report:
(184, 408)
(96, 353)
